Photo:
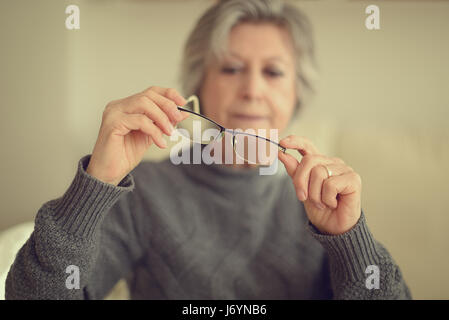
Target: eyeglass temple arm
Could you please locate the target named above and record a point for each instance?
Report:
(196, 104)
(196, 109)
(276, 143)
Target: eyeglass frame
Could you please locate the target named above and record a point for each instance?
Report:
(223, 129)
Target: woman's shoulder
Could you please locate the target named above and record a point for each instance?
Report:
(158, 176)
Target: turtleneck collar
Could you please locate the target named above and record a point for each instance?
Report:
(234, 181)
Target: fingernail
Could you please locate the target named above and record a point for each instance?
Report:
(302, 196)
(171, 128)
(178, 115)
(164, 143)
(183, 101)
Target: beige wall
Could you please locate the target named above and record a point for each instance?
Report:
(382, 105)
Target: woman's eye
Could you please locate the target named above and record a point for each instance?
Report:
(274, 73)
(230, 70)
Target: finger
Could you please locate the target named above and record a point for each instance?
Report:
(145, 125)
(302, 144)
(144, 105)
(289, 162)
(169, 93)
(168, 106)
(343, 185)
(302, 173)
(185, 115)
(318, 175)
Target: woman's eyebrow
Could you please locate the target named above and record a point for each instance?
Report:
(273, 58)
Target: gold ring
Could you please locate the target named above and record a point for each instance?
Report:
(329, 172)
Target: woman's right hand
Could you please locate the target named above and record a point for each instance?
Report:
(129, 126)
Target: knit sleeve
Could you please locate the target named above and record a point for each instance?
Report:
(75, 235)
(361, 267)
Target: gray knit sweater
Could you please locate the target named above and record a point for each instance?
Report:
(195, 232)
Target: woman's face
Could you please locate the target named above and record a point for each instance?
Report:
(254, 85)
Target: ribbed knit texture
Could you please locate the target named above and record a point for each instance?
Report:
(195, 232)
(80, 209)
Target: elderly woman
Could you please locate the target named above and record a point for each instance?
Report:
(213, 231)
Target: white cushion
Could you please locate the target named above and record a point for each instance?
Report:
(12, 239)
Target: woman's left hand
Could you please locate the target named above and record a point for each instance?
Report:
(332, 203)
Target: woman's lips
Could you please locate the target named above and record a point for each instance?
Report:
(247, 117)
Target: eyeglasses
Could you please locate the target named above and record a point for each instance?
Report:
(248, 147)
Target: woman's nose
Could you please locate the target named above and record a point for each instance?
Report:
(253, 85)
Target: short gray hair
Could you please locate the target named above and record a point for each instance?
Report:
(207, 40)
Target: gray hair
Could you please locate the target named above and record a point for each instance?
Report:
(207, 40)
